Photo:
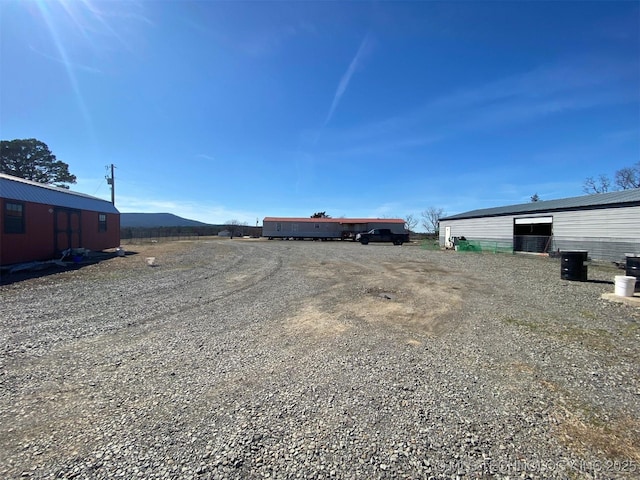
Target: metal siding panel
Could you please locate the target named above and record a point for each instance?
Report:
(92, 238)
(37, 241)
(598, 248)
(269, 229)
(612, 223)
(497, 229)
(606, 234)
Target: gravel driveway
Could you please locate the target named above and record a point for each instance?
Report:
(275, 359)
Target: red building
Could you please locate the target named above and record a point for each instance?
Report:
(39, 222)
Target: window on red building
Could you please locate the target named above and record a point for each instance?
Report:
(13, 217)
(102, 222)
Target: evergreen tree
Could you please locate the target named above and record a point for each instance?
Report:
(31, 159)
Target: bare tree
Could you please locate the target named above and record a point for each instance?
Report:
(431, 219)
(624, 179)
(411, 222)
(596, 186)
(235, 227)
(628, 178)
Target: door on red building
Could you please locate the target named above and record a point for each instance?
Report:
(66, 229)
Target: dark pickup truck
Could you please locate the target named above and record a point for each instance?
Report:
(382, 235)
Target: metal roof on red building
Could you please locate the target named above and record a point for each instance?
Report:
(15, 188)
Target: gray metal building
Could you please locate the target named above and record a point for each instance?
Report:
(607, 225)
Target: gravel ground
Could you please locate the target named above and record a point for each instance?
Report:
(275, 359)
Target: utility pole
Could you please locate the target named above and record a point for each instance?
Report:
(112, 181)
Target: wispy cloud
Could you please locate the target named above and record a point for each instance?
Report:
(67, 63)
(542, 82)
(547, 91)
(204, 156)
(574, 84)
(346, 78)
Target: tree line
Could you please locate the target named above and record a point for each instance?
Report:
(429, 219)
(132, 233)
(624, 179)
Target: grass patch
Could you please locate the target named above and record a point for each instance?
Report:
(588, 314)
(587, 432)
(631, 331)
(529, 325)
(597, 338)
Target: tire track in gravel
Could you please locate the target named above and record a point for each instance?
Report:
(70, 372)
(203, 299)
(102, 361)
(123, 306)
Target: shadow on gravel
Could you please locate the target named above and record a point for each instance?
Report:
(31, 270)
(604, 282)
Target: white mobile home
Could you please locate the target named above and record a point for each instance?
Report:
(607, 225)
(326, 228)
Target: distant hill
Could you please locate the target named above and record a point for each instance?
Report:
(155, 220)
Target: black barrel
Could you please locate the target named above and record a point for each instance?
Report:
(633, 267)
(573, 266)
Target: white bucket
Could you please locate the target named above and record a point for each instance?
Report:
(625, 285)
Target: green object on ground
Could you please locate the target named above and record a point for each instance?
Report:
(430, 244)
(483, 246)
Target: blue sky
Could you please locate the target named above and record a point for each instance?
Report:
(240, 110)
